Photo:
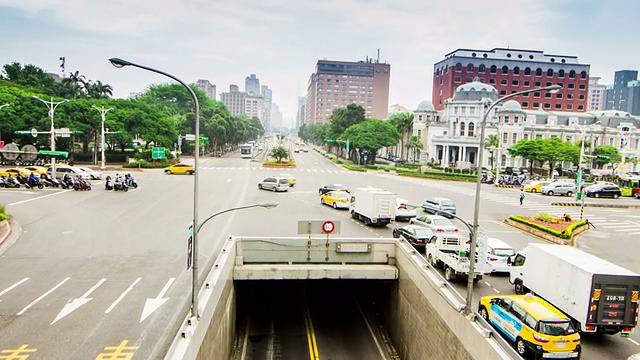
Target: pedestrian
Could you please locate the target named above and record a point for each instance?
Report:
(521, 196)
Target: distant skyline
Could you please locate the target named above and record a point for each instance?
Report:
(280, 41)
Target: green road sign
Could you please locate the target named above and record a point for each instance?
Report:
(55, 154)
(22, 132)
(204, 138)
(157, 153)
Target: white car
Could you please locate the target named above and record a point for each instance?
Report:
(93, 175)
(438, 224)
(498, 253)
(404, 211)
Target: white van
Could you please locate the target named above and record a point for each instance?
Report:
(498, 253)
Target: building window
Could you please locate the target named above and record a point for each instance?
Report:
(547, 106)
(537, 84)
(549, 72)
(458, 67)
(419, 117)
(525, 136)
(503, 82)
(536, 94)
(470, 67)
(558, 106)
(572, 74)
(559, 96)
(505, 69)
(494, 69)
(514, 138)
(582, 87)
(580, 107)
(471, 126)
(515, 82)
(569, 96)
(455, 110)
(461, 129)
(503, 92)
(538, 72)
(525, 104)
(571, 86)
(547, 95)
(492, 81)
(581, 97)
(505, 137)
(481, 68)
(583, 75)
(527, 71)
(527, 83)
(463, 110)
(469, 79)
(538, 136)
(516, 70)
(536, 105)
(419, 132)
(457, 79)
(561, 73)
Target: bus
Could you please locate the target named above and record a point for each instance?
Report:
(629, 185)
(246, 151)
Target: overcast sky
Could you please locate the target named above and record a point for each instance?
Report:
(281, 40)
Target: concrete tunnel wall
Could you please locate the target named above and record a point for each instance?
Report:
(420, 319)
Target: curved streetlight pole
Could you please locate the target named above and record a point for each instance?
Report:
(103, 111)
(119, 63)
(52, 107)
(476, 209)
(1, 106)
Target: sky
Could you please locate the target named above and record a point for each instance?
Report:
(281, 40)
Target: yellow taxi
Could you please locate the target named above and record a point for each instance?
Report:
(14, 171)
(290, 179)
(180, 168)
(338, 199)
(535, 186)
(533, 325)
(38, 170)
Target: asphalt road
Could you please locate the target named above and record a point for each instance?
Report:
(78, 278)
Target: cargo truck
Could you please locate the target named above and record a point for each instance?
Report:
(373, 206)
(600, 297)
(451, 252)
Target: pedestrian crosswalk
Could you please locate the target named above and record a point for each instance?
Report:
(280, 169)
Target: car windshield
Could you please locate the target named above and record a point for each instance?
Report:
(441, 222)
(560, 327)
(503, 252)
(282, 181)
(423, 233)
(448, 203)
(342, 195)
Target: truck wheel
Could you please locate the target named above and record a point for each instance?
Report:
(519, 287)
(448, 274)
(483, 313)
(521, 347)
(432, 260)
(353, 215)
(367, 221)
(476, 279)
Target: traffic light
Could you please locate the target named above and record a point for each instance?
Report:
(603, 157)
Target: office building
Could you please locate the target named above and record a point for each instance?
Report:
(336, 84)
(234, 100)
(267, 97)
(513, 70)
(624, 93)
(596, 94)
(301, 113)
(207, 87)
(252, 85)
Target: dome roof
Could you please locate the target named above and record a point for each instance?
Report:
(511, 105)
(475, 91)
(426, 106)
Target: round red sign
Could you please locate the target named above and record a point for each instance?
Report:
(328, 227)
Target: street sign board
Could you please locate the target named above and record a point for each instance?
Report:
(318, 227)
(56, 154)
(63, 132)
(190, 137)
(157, 153)
(190, 248)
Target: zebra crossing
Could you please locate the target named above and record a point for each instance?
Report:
(279, 169)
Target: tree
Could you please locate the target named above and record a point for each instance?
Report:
(404, 124)
(342, 118)
(607, 155)
(75, 84)
(370, 136)
(279, 152)
(491, 143)
(414, 143)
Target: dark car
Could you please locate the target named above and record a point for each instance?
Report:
(603, 191)
(415, 235)
(331, 187)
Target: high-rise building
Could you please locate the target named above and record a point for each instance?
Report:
(252, 85)
(336, 84)
(624, 94)
(596, 94)
(207, 87)
(234, 99)
(267, 97)
(301, 113)
(513, 70)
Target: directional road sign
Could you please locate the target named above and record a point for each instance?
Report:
(157, 153)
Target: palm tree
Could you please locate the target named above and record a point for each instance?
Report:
(491, 143)
(73, 82)
(414, 143)
(404, 124)
(98, 90)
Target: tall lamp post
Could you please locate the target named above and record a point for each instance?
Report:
(476, 209)
(1, 106)
(52, 107)
(120, 63)
(102, 112)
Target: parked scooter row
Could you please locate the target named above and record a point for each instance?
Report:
(120, 183)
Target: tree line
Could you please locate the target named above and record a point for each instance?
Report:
(157, 116)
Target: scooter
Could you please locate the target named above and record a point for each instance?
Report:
(49, 181)
(82, 184)
(32, 183)
(108, 185)
(120, 185)
(11, 182)
(130, 181)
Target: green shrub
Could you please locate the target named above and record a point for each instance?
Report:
(439, 176)
(353, 168)
(544, 216)
(147, 165)
(275, 163)
(563, 235)
(3, 214)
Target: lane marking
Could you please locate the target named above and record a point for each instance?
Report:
(76, 303)
(311, 336)
(373, 335)
(487, 284)
(633, 341)
(42, 296)
(152, 305)
(13, 286)
(496, 290)
(38, 198)
(122, 296)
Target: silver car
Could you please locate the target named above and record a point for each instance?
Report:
(274, 184)
(439, 206)
(559, 188)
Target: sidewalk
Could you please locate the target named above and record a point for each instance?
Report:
(5, 231)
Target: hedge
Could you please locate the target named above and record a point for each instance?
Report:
(439, 176)
(3, 214)
(354, 168)
(563, 235)
(275, 163)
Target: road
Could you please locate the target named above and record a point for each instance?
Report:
(78, 278)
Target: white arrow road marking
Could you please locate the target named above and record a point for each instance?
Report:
(74, 304)
(122, 296)
(42, 297)
(152, 305)
(13, 286)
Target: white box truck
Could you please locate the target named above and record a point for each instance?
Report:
(600, 297)
(373, 206)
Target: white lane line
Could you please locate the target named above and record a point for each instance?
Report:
(487, 283)
(496, 290)
(633, 341)
(42, 297)
(115, 303)
(152, 305)
(76, 303)
(13, 286)
(37, 198)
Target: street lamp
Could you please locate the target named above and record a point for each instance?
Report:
(1, 106)
(580, 195)
(102, 112)
(52, 107)
(120, 63)
(476, 209)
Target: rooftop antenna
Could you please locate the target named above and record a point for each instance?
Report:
(378, 58)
